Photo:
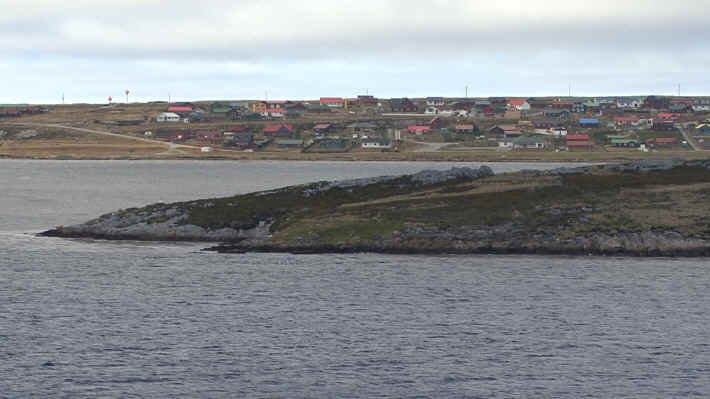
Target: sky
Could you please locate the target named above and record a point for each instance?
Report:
(181, 50)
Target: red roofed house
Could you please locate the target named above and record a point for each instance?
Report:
(277, 104)
(273, 112)
(668, 116)
(577, 137)
(418, 129)
(519, 105)
(579, 142)
(280, 130)
(332, 102)
(179, 108)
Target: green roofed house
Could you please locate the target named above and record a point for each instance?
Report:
(630, 143)
(290, 143)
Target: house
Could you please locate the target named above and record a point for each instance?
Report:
(498, 100)
(238, 139)
(562, 104)
(361, 128)
(367, 100)
(703, 128)
(376, 142)
(273, 113)
(209, 137)
(332, 143)
(167, 117)
(625, 142)
(663, 124)
(219, 110)
(332, 102)
(279, 130)
(465, 129)
(289, 143)
(537, 103)
(323, 128)
(580, 146)
(555, 113)
(511, 133)
(431, 110)
(668, 116)
(519, 105)
(496, 131)
(629, 102)
(545, 124)
(662, 141)
(592, 106)
(577, 137)
(680, 108)
(622, 122)
(701, 107)
(182, 110)
(579, 142)
(589, 122)
(418, 129)
(578, 107)
(402, 105)
(528, 142)
(276, 104)
(434, 101)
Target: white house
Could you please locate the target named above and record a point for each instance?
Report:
(273, 113)
(435, 101)
(629, 102)
(519, 105)
(168, 117)
(376, 143)
(431, 110)
(701, 108)
(332, 102)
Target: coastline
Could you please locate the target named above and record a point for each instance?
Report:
(649, 208)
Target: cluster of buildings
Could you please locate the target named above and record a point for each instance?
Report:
(17, 110)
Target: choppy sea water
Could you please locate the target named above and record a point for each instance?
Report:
(82, 318)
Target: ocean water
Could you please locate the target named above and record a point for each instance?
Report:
(84, 318)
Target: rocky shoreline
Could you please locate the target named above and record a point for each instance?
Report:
(598, 210)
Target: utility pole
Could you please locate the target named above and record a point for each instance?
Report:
(570, 90)
(62, 98)
(466, 91)
(678, 89)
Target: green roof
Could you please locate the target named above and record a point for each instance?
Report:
(623, 141)
(221, 110)
(290, 142)
(13, 105)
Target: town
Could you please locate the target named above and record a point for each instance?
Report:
(365, 123)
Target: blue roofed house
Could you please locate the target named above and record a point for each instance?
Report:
(589, 122)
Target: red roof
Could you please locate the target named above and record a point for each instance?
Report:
(517, 102)
(179, 109)
(577, 137)
(627, 119)
(666, 115)
(415, 128)
(464, 127)
(322, 126)
(274, 110)
(331, 100)
(276, 128)
(580, 144)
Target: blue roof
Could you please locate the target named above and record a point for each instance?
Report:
(588, 120)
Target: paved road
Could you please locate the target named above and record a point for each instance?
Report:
(428, 147)
(690, 141)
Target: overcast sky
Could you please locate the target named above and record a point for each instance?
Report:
(235, 49)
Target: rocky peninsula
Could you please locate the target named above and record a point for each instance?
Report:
(644, 208)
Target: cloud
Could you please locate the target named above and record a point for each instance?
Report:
(238, 49)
